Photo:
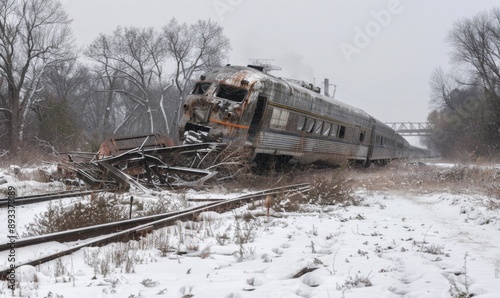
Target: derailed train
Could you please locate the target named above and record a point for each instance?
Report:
(284, 120)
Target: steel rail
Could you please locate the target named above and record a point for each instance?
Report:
(31, 199)
(102, 229)
(147, 226)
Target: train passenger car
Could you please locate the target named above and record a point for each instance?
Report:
(283, 119)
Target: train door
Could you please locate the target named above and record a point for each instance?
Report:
(257, 117)
(372, 145)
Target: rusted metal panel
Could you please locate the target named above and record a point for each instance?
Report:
(116, 146)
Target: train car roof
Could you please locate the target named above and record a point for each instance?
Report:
(233, 75)
(245, 76)
(300, 85)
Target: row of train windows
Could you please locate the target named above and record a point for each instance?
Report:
(324, 128)
(383, 141)
(279, 120)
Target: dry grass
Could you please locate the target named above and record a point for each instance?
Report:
(328, 187)
(417, 178)
(335, 186)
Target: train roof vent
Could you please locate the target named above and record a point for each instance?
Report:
(259, 68)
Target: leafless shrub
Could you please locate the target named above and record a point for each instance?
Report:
(91, 258)
(288, 202)
(433, 249)
(356, 282)
(462, 290)
(244, 254)
(222, 239)
(53, 295)
(333, 190)
(494, 193)
(149, 283)
(100, 260)
(130, 265)
(192, 244)
(119, 254)
(249, 216)
(244, 233)
(162, 205)
(165, 249)
(102, 208)
(205, 252)
(230, 164)
(60, 268)
(105, 264)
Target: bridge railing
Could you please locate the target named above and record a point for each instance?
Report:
(411, 128)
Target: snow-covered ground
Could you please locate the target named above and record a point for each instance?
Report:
(437, 244)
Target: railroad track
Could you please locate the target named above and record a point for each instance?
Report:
(135, 228)
(25, 200)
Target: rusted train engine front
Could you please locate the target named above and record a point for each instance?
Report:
(221, 106)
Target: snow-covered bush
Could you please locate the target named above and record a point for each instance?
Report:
(100, 209)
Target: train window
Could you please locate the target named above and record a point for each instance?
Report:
(318, 127)
(342, 131)
(335, 130)
(302, 123)
(310, 124)
(279, 119)
(231, 93)
(326, 129)
(362, 136)
(201, 88)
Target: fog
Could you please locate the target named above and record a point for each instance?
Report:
(378, 55)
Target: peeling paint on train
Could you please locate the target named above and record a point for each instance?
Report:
(264, 113)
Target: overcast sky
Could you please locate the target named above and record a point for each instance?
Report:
(379, 53)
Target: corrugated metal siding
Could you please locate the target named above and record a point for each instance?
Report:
(276, 141)
(270, 141)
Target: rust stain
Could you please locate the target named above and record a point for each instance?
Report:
(236, 79)
(229, 124)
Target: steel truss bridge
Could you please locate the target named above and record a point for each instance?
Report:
(411, 128)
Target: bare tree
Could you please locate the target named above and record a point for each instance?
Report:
(58, 111)
(33, 35)
(194, 48)
(467, 114)
(476, 49)
(131, 63)
(441, 85)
